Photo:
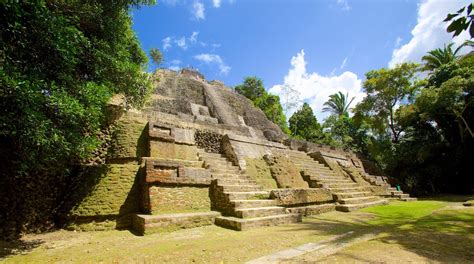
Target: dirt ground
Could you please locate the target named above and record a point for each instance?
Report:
(423, 231)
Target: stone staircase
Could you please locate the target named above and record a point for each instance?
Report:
(348, 194)
(244, 204)
(391, 191)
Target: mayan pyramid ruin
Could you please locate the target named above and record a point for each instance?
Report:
(201, 154)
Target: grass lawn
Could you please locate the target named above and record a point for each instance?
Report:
(422, 231)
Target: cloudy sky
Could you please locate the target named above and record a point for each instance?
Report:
(314, 47)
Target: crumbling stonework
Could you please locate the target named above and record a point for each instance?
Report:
(208, 140)
(284, 172)
(292, 197)
(205, 151)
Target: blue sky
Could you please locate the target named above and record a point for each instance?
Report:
(315, 47)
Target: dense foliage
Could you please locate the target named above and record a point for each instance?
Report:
(61, 61)
(253, 89)
(419, 130)
(304, 125)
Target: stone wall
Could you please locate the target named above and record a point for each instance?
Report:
(297, 197)
(177, 199)
(107, 197)
(285, 172)
(259, 171)
(129, 139)
(208, 140)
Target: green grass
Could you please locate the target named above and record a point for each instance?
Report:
(428, 230)
(401, 212)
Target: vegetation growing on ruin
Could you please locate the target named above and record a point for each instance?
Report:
(61, 61)
(253, 89)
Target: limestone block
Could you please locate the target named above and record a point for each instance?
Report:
(301, 196)
(185, 152)
(184, 136)
(285, 172)
(160, 132)
(163, 150)
(148, 224)
(174, 172)
(178, 199)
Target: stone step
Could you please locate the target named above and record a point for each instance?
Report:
(210, 154)
(359, 200)
(223, 167)
(253, 203)
(222, 170)
(241, 188)
(216, 158)
(349, 189)
(334, 180)
(409, 199)
(312, 209)
(338, 184)
(218, 162)
(396, 192)
(247, 224)
(257, 195)
(353, 207)
(148, 224)
(235, 181)
(339, 196)
(401, 195)
(259, 212)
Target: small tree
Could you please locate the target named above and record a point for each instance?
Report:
(252, 88)
(337, 104)
(156, 56)
(386, 90)
(304, 125)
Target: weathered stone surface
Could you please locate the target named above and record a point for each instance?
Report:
(160, 132)
(301, 196)
(149, 224)
(174, 172)
(208, 140)
(114, 196)
(178, 199)
(129, 139)
(259, 171)
(169, 150)
(285, 172)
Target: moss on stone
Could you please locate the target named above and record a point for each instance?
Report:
(258, 170)
(129, 138)
(108, 193)
(179, 199)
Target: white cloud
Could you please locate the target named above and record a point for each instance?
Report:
(199, 10)
(344, 5)
(193, 37)
(315, 89)
(213, 59)
(430, 31)
(181, 42)
(166, 43)
(216, 3)
(174, 65)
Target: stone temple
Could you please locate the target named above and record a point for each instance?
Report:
(200, 154)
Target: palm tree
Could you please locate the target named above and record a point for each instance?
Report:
(437, 57)
(337, 104)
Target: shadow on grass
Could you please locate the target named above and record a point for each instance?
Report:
(18, 247)
(437, 235)
(447, 198)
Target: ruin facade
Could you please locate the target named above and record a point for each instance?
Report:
(201, 154)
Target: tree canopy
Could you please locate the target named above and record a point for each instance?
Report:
(304, 125)
(338, 104)
(253, 89)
